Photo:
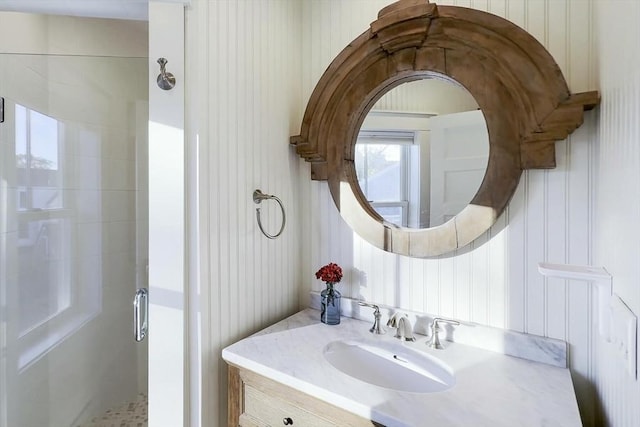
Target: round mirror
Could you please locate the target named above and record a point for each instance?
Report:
(519, 87)
(422, 152)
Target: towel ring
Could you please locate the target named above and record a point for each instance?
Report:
(258, 197)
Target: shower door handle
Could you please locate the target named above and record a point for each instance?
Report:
(140, 314)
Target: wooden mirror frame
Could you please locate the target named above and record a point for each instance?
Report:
(515, 81)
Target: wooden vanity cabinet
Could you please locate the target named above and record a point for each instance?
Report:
(257, 401)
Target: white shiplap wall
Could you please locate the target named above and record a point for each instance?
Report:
(255, 63)
(550, 217)
(244, 102)
(617, 241)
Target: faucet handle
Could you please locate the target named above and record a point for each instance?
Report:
(434, 341)
(377, 328)
(368, 304)
(438, 320)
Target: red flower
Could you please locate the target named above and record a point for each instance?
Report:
(330, 273)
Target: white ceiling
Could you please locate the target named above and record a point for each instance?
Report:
(120, 9)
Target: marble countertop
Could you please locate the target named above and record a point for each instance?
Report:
(491, 389)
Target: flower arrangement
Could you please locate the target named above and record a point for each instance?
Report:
(330, 297)
(330, 273)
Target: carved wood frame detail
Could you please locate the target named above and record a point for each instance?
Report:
(515, 81)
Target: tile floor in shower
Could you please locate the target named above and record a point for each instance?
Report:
(130, 414)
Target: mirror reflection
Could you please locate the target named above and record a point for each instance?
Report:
(422, 152)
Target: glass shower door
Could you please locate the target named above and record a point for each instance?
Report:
(73, 236)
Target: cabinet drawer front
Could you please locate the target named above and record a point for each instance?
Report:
(272, 411)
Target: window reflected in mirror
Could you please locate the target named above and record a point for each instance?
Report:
(389, 174)
(422, 152)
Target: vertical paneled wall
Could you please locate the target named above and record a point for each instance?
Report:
(244, 61)
(495, 281)
(617, 241)
(248, 57)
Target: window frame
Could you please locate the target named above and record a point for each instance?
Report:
(405, 140)
(78, 306)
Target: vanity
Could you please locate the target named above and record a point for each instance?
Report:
(282, 376)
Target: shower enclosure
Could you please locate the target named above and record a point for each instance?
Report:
(73, 233)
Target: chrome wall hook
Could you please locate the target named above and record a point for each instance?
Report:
(258, 197)
(166, 81)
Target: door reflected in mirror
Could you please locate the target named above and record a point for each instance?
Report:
(422, 152)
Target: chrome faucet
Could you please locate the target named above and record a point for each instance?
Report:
(434, 341)
(405, 330)
(377, 328)
(401, 322)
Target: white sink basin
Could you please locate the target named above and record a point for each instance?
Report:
(390, 365)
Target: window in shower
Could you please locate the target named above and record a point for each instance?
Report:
(43, 222)
(50, 305)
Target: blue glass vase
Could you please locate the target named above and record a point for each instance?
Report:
(330, 305)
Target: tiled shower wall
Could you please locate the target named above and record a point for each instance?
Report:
(89, 77)
(617, 238)
(550, 218)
